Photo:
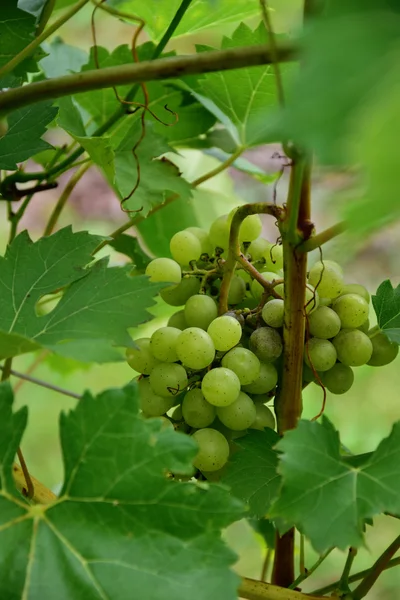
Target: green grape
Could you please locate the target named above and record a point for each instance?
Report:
(324, 323)
(163, 343)
(219, 232)
(240, 414)
(312, 299)
(204, 239)
(273, 256)
(168, 379)
(178, 295)
(364, 327)
(176, 413)
(353, 347)
(177, 320)
(152, 404)
(266, 343)
(196, 411)
(141, 359)
(352, 309)
(225, 332)
(339, 379)
(356, 288)
(325, 301)
(200, 310)
(308, 375)
(213, 450)
(258, 248)
(244, 275)
(321, 354)
(257, 289)
(220, 386)
(244, 363)
(164, 269)
(265, 382)
(264, 418)
(273, 313)
(384, 351)
(195, 348)
(185, 247)
(330, 283)
(237, 290)
(250, 229)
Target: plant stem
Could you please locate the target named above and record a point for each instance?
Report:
(42, 495)
(44, 384)
(30, 48)
(380, 565)
(344, 580)
(30, 370)
(303, 576)
(302, 558)
(266, 563)
(275, 53)
(64, 197)
(29, 490)
(252, 589)
(163, 68)
(324, 236)
(224, 165)
(395, 562)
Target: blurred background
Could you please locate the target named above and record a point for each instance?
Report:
(363, 416)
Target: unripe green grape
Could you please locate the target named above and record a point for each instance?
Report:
(213, 450)
(321, 354)
(237, 290)
(168, 379)
(178, 320)
(164, 269)
(258, 248)
(384, 351)
(250, 228)
(151, 403)
(219, 232)
(178, 295)
(265, 382)
(244, 275)
(273, 256)
(204, 239)
(273, 312)
(196, 411)
(225, 332)
(324, 323)
(352, 309)
(176, 414)
(328, 277)
(325, 301)
(244, 363)
(266, 343)
(195, 348)
(200, 310)
(364, 327)
(141, 358)
(356, 288)
(353, 347)
(257, 289)
(220, 386)
(163, 344)
(339, 379)
(264, 418)
(185, 247)
(240, 414)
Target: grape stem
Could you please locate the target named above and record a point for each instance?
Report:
(235, 255)
(252, 589)
(308, 572)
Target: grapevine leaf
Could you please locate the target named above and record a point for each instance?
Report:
(70, 119)
(129, 245)
(17, 29)
(266, 529)
(243, 96)
(386, 303)
(117, 513)
(325, 496)
(101, 153)
(33, 7)
(62, 58)
(251, 472)
(201, 14)
(23, 137)
(92, 317)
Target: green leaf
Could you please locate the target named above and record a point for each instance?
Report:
(200, 15)
(251, 473)
(243, 96)
(386, 303)
(93, 315)
(17, 29)
(327, 498)
(117, 513)
(70, 119)
(33, 7)
(129, 245)
(62, 58)
(266, 529)
(101, 153)
(23, 137)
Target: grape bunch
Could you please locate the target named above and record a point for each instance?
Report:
(213, 374)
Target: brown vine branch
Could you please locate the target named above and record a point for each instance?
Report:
(41, 495)
(162, 68)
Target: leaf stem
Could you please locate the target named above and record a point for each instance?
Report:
(40, 382)
(220, 168)
(266, 563)
(42, 495)
(29, 491)
(308, 572)
(252, 589)
(275, 53)
(30, 48)
(344, 580)
(380, 565)
(324, 236)
(61, 202)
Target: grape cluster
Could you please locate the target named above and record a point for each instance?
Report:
(212, 375)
